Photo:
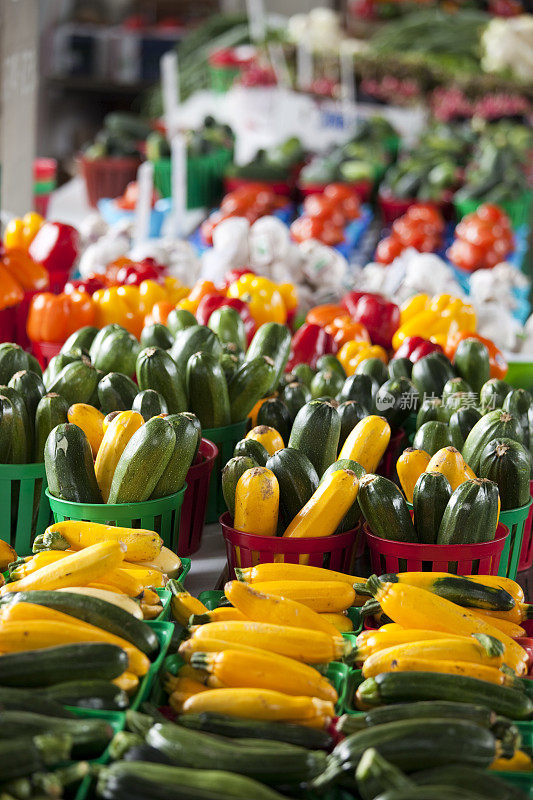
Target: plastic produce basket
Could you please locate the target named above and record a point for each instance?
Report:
(165, 595)
(393, 207)
(225, 440)
(108, 177)
(335, 552)
(518, 210)
(363, 189)
(387, 465)
(117, 720)
(25, 509)
(526, 553)
(162, 516)
(459, 559)
(515, 519)
(205, 175)
(194, 508)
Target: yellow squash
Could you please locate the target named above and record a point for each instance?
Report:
(168, 562)
(75, 569)
(183, 604)
(257, 704)
(450, 463)
(148, 577)
(325, 596)
(209, 644)
(260, 606)
(263, 670)
(222, 614)
(505, 626)
(116, 437)
(367, 442)
(410, 465)
(292, 572)
(90, 420)
(342, 622)
(324, 511)
(303, 644)
(479, 671)
(128, 682)
(510, 586)
(140, 544)
(108, 419)
(125, 582)
(520, 762)
(470, 472)
(268, 437)
(374, 641)
(257, 502)
(453, 649)
(7, 555)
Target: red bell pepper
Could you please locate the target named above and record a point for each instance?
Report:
(55, 246)
(135, 274)
(380, 317)
(416, 347)
(210, 302)
(233, 275)
(90, 284)
(308, 344)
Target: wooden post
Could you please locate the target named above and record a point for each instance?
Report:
(19, 43)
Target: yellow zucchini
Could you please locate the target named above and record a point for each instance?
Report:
(325, 596)
(292, 572)
(257, 704)
(90, 420)
(140, 544)
(479, 671)
(324, 511)
(367, 442)
(268, 437)
(116, 437)
(410, 465)
(257, 502)
(450, 463)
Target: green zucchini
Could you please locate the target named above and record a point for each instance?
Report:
(251, 382)
(179, 319)
(430, 793)
(271, 763)
(375, 775)
(253, 449)
(196, 422)
(23, 756)
(492, 394)
(353, 515)
(327, 382)
(400, 368)
(297, 480)
(406, 687)
(51, 411)
(461, 400)
(235, 727)
(518, 402)
(374, 368)
(227, 324)
(454, 385)
(192, 340)
(116, 392)
(432, 410)
(430, 375)
(116, 352)
(351, 412)
(274, 413)
(316, 431)
(149, 403)
(23, 424)
(464, 592)
(482, 782)
(295, 395)
(31, 388)
(102, 334)
(82, 338)
(430, 497)
(231, 473)
(361, 388)
(471, 515)
(14, 359)
(156, 335)
(24, 700)
(207, 390)
(432, 437)
(143, 462)
(303, 373)
(421, 709)
(496, 424)
(181, 460)
(96, 694)
(508, 464)
(156, 370)
(57, 363)
(14, 431)
(461, 423)
(472, 363)
(76, 382)
(329, 363)
(69, 465)
(230, 364)
(396, 399)
(90, 736)
(65, 662)
(274, 341)
(384, 508)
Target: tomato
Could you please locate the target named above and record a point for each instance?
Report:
(429, 243)
(387, 250)
(332, 234)
(346, 198)
(480, 233)
(466, 255)
(305, 228)
(424, 212)
(322, 207)
(491, 213)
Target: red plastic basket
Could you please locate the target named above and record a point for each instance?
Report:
(45, 351)
(8, 324)
(393, 207)
(526, 553)
(459, 559)
(336, 552)
(282, 188)
(195, 500)
(363, 189)
(108, 177)
(387, 465)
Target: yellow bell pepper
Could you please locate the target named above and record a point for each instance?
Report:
(353, 353)
(413, 306)
(150, 293)
(19, 233)
(441, 301)
(119, 304)
(187, 305)
(289, 294)
(263, 296)
(175, 290)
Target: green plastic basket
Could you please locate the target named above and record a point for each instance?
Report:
(225, 439)
(514, 519)
(165, 596)
(205, 176)
(163, 631)
(222, 78)
(25, 509)
(518, 210)
(162, 516)
(117, 720)
(522, 780)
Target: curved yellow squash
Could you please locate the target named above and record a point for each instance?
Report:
(367, 442)
(326, 507)
(257, 502)
(113, 445)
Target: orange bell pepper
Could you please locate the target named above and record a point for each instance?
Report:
(353, 353)
(289, 295)
(326, 314)
(344, 329)
(11, 292)
(159, 313)
(32, 277)
(263, 297)
(52, 318)
(198, 291)
(498, 363)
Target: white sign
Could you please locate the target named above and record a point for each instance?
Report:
(143, 209)
(170, 89)
(256, 20)
(178, 154)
